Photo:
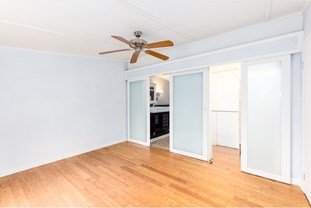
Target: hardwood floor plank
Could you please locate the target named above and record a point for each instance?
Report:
(164, 173)
(131, 175)
(196, 195)
(134, 172)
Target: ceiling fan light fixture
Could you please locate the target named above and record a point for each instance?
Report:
(139, 45)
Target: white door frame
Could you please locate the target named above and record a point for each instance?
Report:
(147, 79)
(206, 133)
(306, 182)
(285, 124)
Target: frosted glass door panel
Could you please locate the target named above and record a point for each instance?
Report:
(138, 110)
(188, 113)
(264, 117)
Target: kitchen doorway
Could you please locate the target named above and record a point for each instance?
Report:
(159, 111)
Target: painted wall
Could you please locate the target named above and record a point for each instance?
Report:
(306, 87)
(53, 106)
(307, 21)
(163, 84)
(275, 27)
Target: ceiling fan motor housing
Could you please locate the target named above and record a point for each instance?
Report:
(137, 43)
(138, 34)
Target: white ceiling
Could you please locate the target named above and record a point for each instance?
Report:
(85, 26)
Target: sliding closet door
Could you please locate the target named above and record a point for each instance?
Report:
(138, 111)
(189, 113)
(266, 118)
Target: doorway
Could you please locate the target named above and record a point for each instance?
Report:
(225, 96)
(179, 113)
(197, 121)
(250, 113)
(225, 87)
(159, 111)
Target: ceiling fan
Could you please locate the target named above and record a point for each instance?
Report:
(140, 45)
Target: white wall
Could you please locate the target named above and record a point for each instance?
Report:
(163, 84)
(53, 106)
(307, 21)
(306, 87)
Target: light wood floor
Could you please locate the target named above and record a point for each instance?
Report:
(127, 174)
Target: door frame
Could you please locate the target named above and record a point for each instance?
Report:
(147, 79)
(207, 143)
(285, 115)
(306, 180)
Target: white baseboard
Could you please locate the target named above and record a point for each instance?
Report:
(296, 181)
(57, 158)
(188, 154)
(139, 142)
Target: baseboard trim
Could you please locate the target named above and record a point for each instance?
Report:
(188, 154)
(64, 156)
(139, 142)
(296, 181)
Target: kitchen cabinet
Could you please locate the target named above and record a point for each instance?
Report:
(159, 124)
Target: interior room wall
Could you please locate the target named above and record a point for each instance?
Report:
(306, 88)
(163, 84)
(53, 106)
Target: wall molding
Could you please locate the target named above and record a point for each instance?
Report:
(279, 45)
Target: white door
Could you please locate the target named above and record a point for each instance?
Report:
(266, 118)
(189, 113)
(138, 103)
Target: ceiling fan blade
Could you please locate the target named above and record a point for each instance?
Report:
(157, 55)
(106, 52)
(121, 39)
(134, 57)
(160, 44)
